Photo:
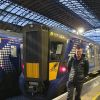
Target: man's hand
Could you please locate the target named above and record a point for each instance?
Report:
(86, 78)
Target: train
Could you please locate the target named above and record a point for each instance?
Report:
(42, 58)
(9, 64)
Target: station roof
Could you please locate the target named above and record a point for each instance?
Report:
(93, 34)
(65, 14)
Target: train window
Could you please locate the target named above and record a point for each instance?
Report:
(59, 48)
(90, 55)
(55, 50)
(22, 62)
(97, 56)
(21, 48)
(13, 51)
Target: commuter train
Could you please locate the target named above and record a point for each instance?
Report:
(43, 55)
(9, 64)
(46, 52)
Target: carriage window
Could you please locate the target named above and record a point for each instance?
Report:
(59, 48)
(90, 55)
(21, 48)
(13, 51)
(55, 50)
(97, 55)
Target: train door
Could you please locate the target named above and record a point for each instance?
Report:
(97, 59)
(57, 45)
(56, 48)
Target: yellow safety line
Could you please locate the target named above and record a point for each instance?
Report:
(95, 97)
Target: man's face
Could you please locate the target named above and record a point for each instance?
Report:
(79, 53)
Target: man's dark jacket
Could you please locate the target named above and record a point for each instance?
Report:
(78, 69)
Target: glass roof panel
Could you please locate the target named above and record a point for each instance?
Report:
(29, 15)
(12, 19)
(10, 7)
(3, 4)
(16, 20)
(26, 22)
(24, 13)
(20, 11)
(15, 10)
(6, 17)
(21, 22)
(81, 10)
(93, 34)
(37, 17)
(18, 15)
(2, 15)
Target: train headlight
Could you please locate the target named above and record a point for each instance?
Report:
(80, 30)
(22, 65)
(62, 69)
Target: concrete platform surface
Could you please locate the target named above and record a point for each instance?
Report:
(93, 94)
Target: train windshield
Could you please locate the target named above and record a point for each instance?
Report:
(56, 49)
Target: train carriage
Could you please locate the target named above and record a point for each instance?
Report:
(46, 52)
(42, 55)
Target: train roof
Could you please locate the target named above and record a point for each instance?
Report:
(15, 35)
(10, 34)
(69, 34)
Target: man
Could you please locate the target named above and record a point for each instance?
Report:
(78, 68)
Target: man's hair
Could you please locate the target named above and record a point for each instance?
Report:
(79, 46)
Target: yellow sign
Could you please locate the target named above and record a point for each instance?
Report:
(53, 69)
(32, 70)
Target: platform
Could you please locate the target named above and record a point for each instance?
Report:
(90, 91)
(93, 94)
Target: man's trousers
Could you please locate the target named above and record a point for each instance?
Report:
(70, 88)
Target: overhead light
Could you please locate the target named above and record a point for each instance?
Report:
(8, 30)
(73, 31)
(80, 30)
(51, 33)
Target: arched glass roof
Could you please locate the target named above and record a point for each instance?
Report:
(15, 14)
(79, 8)
(93, 34)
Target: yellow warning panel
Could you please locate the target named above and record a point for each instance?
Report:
(32, 70)
(53, 69)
